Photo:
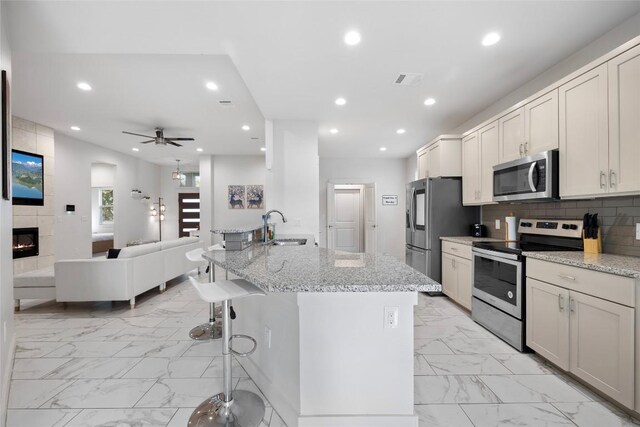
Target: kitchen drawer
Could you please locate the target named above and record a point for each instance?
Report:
(606, 286)
(457, 249)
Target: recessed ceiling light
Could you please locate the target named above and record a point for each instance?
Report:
(429, 101)
(246, 127)
(76, 128)
(490, 39)
(333, 130)
(135, 149)
(352, 38)
(84, 86)
(199, 150)
(400, 131)
(341, 101)
(211, 86)
(263, 149)
(383, 148)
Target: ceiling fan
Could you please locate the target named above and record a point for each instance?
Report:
(160, 139)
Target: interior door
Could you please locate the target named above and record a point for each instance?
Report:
(348, 220)
(370, 219)
(331, 213)
(189, 213)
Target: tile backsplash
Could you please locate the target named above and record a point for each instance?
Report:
(617, 217)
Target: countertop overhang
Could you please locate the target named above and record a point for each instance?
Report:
(620, 265)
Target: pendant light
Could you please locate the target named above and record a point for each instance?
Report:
(177, 175)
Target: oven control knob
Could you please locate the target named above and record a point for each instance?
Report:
(510, 295)
(573, 227)
(566, 226)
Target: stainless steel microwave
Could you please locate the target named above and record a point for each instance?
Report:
(529, 178)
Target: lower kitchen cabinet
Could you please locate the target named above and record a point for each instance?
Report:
(590, 337)
(456, 279)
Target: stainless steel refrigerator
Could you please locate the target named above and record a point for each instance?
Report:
(434, 209)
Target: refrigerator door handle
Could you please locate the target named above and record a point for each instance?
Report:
(412, 208)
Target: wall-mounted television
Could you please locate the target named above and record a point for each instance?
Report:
(27, 178)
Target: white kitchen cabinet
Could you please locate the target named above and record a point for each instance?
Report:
(456, 273)
(470, 169)
(584, 146)
(548, 321)
(433, 160)
(488, 142)
(512, 139)
(624, 122)
(541, 124)
(602, 346)
(422, 163)
(442, 157)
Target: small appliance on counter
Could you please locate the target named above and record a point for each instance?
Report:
(479, 230)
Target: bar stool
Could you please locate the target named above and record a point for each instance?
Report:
(240, 408)
(212, 329)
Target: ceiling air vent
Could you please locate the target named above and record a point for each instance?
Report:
(408, 79)
(225, 103)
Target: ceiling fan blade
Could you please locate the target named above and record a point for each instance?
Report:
(136, 134)
(173, 143)
(180, 139)
(146, 142)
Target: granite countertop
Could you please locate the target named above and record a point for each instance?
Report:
(620, 265)
(312, 269)
(469, 240)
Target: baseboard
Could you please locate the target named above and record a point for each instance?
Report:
(6, 381)
(359, 421)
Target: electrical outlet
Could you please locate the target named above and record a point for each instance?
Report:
(497, 224)
(637, 231)
(267, 336)
(390, 317)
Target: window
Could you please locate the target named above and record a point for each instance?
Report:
(105, 205)
(190, 179)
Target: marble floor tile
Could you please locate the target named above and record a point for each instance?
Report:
(89, 334)
(88, 349)
(532, 388)
(157, 417)
(430, 346)
(155, 349)
(516, 415)
(182, 322)
(33, 393)
(436, 332)
(276, 421)
(475, 331)
(181, 417)
(420, 365)
(136, 333)
(82, 323)
(40, 417)
(142, 321)
(465, 364)
(118, 393)
(249, 385)
(27, 349)
(442, 416)
(176, 393)
(427, 311)
(37, 323)
(214, 370)
(204, 349)
(477, 345)
(169, 367)
(519, 363)
(34, 369)
(93, 368)
(596, 414)
(451, 389)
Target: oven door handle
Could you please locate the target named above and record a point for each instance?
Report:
(531, 184)
(502, 257)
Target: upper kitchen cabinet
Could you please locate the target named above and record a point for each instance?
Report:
(530, 129)
(624, 122)
(442, 157)
(584, 140)
(479, 156)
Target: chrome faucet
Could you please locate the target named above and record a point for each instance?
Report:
(265, 229)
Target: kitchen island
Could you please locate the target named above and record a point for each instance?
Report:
(328, 354)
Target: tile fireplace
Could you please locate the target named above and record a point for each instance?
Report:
(25, 242)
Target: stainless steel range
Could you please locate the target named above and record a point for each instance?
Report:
(499, 274)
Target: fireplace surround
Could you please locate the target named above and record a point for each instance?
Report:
(25, 242)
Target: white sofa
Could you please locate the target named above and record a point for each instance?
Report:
(37, 284)
(136, 270)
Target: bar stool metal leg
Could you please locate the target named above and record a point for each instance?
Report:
(211, 330)
(230, 408)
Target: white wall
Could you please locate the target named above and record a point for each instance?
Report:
(170, 190)
(293, 176)
(236, 170)
(6, 255)
(73, 186)
(390, 178)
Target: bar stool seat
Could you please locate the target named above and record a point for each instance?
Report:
(209, 330)
(240, 408)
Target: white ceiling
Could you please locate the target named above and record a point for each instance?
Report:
(153, 57)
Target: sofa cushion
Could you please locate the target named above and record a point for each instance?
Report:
(42, 278)
(113, 253)
(134, 251)
(168, 244)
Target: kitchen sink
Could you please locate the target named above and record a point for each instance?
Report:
(289, 242)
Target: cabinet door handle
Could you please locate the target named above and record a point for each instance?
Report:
(521, 150)
(612, 176)
(567, 277)
(526, 148)
(453, 262)
(560, 302)
(603, 184)
(572, 305)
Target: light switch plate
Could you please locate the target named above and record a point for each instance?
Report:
(497, 224)
(637, 231)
